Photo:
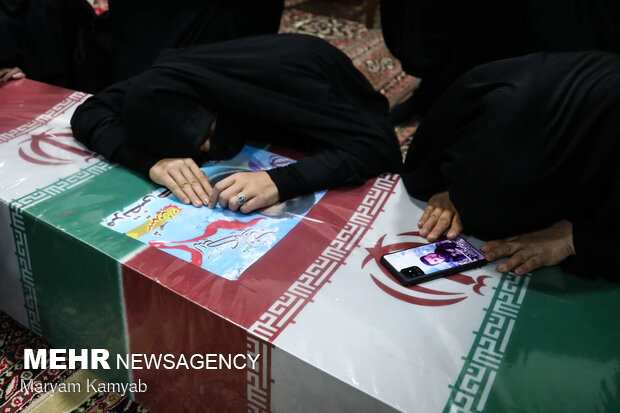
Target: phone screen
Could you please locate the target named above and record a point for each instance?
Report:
(430, 258)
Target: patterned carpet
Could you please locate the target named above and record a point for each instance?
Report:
(337, 22)
(364, 46)
(353, 10)
(14, 338)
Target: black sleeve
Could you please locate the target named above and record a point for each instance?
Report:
(595, 249)
(97, 124)
(10, 55)
(327, 169)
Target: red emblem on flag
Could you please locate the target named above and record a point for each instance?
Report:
(419, 294)
(49, 148)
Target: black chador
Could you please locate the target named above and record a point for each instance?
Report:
(143, 28)
(440, 40)
(41, 37)
(525, 142)
(289, 90)
(64, 43)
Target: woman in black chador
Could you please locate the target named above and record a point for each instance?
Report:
(440, 40)
(525, 151)
(64, 43)
(205, 102)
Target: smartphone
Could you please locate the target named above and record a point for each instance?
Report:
(430, 261)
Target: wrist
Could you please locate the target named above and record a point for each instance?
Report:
(571, 243)
(567, 229)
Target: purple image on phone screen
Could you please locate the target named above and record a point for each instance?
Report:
(435, 257)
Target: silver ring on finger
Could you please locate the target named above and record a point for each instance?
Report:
(241, 199)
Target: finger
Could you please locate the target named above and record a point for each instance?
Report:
(17, 74)
(516, 259)
(204, 181)
(251, 205)
(456, 228)
(491, 245)
(218, 188)
(179, 176)
(233, 203)
(252, 201)
(503, 249)
(529, 265)
(443, 223)
(228, 197)
(195, 185)
(185, 187)
(233, 194)
(427, 213)
(176, 189)
(430, 222)
(251, 197)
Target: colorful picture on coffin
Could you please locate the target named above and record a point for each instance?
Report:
(220, 241)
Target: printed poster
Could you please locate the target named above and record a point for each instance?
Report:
(222, 242)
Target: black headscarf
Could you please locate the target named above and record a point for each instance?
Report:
(273, 88)
(64, 43)
(42, 37)
(288, 90)
(143, 28)
(12, 15)
(440, 40)
(523, 143)
(165, 120)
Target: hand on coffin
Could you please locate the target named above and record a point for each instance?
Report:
(8, 73)
(245, 192)
(536, 249)
(184, 178)
(439, 216)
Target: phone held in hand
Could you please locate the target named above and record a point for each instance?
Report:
(430, 261)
